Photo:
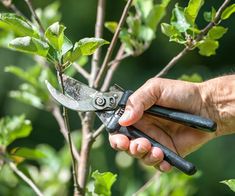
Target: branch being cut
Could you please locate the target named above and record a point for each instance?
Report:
(56, 113)
(199, 37)
(112, 44)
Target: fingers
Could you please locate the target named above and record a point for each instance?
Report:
(140, 148)
(138, 102)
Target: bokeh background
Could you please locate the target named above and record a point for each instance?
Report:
(216, 160)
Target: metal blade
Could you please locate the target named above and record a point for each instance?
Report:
(105, 116)
(81, 105)
(77, 90)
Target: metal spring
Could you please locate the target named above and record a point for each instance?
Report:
(120, 111)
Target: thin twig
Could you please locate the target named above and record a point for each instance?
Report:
(113, 43)
(199, 37)
(98, 132)
(77, 188)
(113, 67)
(9, 4)
(172, 63)
(82, 71)
(24, 178)
(99, 26)
(57, 115)
(147, 184)
(32, 10)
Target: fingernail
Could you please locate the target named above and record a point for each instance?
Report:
(140, 149)
(125, 116)
(119, 145)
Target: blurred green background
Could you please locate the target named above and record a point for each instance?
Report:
(216, 160)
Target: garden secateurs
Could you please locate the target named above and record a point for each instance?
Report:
(109, 107)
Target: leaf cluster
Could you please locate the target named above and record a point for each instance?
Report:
(183, 28)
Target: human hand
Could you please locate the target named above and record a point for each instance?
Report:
(185, 96)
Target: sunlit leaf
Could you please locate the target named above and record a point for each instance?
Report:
(155, 16)
(103, 182)
(27, 98)
(14, 128)
(146, 34)
(230, 183)
(19, 24)
(30, 45)
(208, 47)
(209, 16)
(55, 35)
(111, 26)
(217, 32)
(179, 20)
(86, 46)
(191, 11)
(28, 153)
(191, 78)
(144, 7)
(228, 12)
(169, 30)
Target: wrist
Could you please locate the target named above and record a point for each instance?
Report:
(218, 103)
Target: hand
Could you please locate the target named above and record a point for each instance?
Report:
(189, 97)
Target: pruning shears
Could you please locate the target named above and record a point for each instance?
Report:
(109, 107)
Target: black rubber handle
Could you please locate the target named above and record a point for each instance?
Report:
(171, 157)
(184, 118)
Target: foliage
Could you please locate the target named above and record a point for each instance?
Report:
(230, 183)
(50, 168)
(183, 28)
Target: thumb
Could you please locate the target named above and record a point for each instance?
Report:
(139, 101)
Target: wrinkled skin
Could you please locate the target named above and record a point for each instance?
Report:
(213, 99)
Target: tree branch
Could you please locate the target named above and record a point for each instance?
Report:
(31, 8)
(98, 34)
(77, 188)
(24, 178)
(83, 167)
(98, 132)
(112, 44)
(199, 37)
(82, 71)
(113, 66)
(57, 115)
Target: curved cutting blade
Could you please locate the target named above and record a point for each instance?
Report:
(82, 104)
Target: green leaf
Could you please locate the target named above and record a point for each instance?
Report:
(19, 24)
(55, 35)
(28, 153)
(169, 30)
(85, 47)
(230, 183)
(179, 20)
(209, 16)
(191, 78)
(208, 47)
(217, 32)
(13, 128)
(228, 12)
(144, 7)
(30, 45)
(111, 26)
(27, 98)
(155, 16)
(146, 34)
(191, 11)
(103, 182)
